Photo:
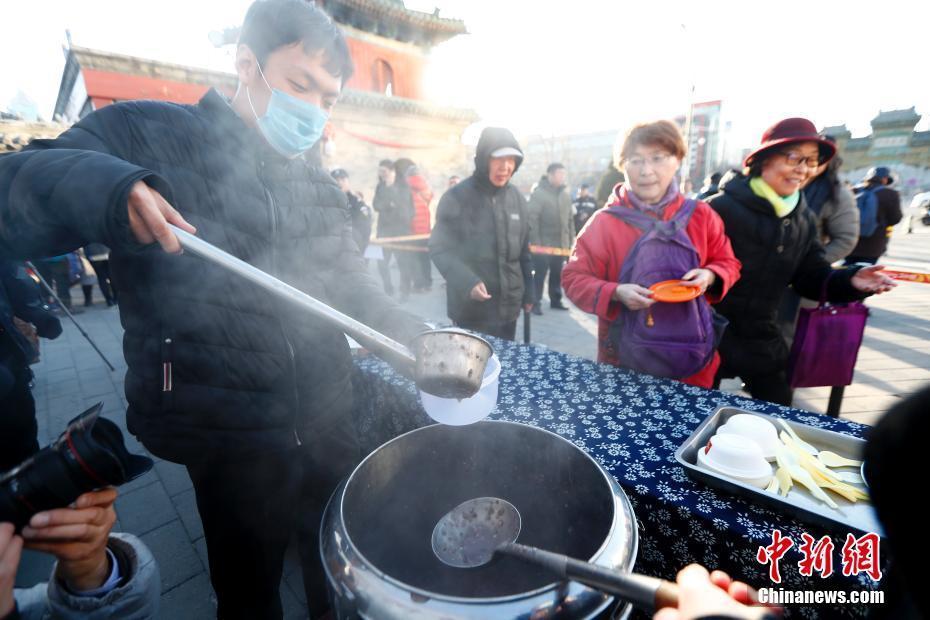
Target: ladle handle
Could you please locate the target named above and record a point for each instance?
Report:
(645, 593)
(374, 341)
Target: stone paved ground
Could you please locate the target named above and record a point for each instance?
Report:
(160, 506)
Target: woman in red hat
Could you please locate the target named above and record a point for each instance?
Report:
(609, 271)
(774, 235)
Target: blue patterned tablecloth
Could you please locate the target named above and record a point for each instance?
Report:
(632, 424)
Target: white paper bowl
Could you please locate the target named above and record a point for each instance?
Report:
(736, 458)
(756, 429)
(455, 412)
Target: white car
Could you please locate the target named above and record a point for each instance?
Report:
(918, 213)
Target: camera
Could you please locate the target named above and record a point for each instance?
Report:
(89, 454)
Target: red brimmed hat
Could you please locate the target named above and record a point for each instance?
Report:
(789, 131)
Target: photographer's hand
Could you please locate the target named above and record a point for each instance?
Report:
(77, 537)
(11, 547)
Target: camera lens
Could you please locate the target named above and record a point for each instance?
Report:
(90, 454)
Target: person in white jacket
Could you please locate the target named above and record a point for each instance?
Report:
(98, 575)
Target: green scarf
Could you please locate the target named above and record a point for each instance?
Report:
(783, 205)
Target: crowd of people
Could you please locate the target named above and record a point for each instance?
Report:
(252, 399)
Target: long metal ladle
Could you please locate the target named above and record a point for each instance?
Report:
(471, 533)
(449, 363)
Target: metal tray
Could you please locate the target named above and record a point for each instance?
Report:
(799, 502)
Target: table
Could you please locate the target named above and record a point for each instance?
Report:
(632, 424)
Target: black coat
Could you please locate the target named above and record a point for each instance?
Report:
(889, 214)
(215, 364)
(775, 252)
(20, 298)
(482, 235)
(360, 215)
(394, 204)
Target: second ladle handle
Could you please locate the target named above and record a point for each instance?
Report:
(645, 593)
(374, 341)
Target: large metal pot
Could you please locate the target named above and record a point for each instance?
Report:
(375, 538)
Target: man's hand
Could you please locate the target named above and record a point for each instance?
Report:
(11, 546)
(633, 296)
(701, 594)
(149, 216)
(527, 307)
(479, 292)
(702, 279)
(77, 537)
(869, 280)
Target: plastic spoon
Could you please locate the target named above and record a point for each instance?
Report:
(832, 459)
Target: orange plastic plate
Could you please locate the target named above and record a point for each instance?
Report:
(674, 291)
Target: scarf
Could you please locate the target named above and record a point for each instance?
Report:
(671, 194)
(783, 205)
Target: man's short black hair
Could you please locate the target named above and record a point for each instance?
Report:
(553, 167)
(339, 173)
(273, 24)
(386, 163)
(585, 186)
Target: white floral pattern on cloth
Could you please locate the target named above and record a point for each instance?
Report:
(632, 424)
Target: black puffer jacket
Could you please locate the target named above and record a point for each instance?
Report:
(20, 298)
(482, 235)
(775, 252)
(394, 205)
(215, 364)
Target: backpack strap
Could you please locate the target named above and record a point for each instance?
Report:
(633, 217)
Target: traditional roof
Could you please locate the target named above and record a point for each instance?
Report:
(390, 18)
(115, 77)
(837, 131)
(371, 100)
(15, 134)
(896, 118)
(920, 138)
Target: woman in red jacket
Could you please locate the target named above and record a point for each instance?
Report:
(650, 156)
(422, 195)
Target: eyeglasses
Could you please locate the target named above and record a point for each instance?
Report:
(655, 161)
(795, 159)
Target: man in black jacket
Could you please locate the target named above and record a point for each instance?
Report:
(583, 207)
(359, 212)
(870, 248)
(480, 242)
(394, 205)
(19, 299)
(253, 396)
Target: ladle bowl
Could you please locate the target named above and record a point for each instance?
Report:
(470, 535)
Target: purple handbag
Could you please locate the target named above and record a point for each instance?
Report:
(826, 343)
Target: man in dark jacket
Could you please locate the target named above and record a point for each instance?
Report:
(19, 299)
(359, 212)
(394, 205)
(252, 395)
(551, 226)
(583, 207)
(608, 181)
(711, 186)
(869, 249)
(480, 242)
